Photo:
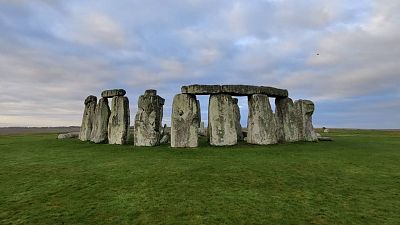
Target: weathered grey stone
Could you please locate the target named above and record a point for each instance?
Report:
(203, 132)
(325, 139)
(184, 121)
(163, 130)
(148, 120)
(100, 126)
(199, 111)
(68, 135)
(199, 89)
(237, 90)
(222, 120)
(262, 128)
(118, 124)
(113, 93)
(236, 110)
(306, 109)
(288, 120)
(88, 118)
(164, 139)
(248, 90)
(90, 98)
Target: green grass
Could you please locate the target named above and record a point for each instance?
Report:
(353, 180)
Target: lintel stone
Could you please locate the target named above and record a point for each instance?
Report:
(113, 93)
(235, 90)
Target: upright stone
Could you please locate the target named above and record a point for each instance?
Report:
(199, 111)
(306, 109)
(262, 127)
(237, 120)
(184, 121)
(100, 127)
(88, 118)
(288, 120)
(148, 119)
(222, 120)
(118, 124)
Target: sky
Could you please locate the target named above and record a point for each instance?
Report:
(343, 55)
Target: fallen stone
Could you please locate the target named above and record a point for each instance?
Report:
(100, 126)
(118, 124)
(113, 93)
(184, 121)
(88, 118)
(164, 139)
(236, 111)
(262, 128)
(68, 135)
(236, 90)
(325, 139)
(222, 120)
(148, 119)
(203, 132)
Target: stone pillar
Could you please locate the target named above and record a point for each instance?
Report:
(88, 118)
(288, 120)
(100, 127)
(221, 120)
(148, 119)
(184, 121)
(305, 110)
(237, 120)
(118, 124)
(199, 111)
(261, 122)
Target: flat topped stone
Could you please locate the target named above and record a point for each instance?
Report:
(236, 90)
(113, 93)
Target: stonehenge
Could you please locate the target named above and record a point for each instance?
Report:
(291, 121)
(222, 120)
(100, 124)
(118, 124)
(88, 118)
(148, 119)
(184, 121)
(262, 129)
(236, 111)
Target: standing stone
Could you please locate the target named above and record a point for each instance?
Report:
(100, 126)
(288, 120)
(184, 121)
(222, 120)
(306, 109)
(199, 111)
(148, 119)
(118, 124)
(237, 121)
(88, 118)
(262, 126)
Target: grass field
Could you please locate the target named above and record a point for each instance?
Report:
(353, 180)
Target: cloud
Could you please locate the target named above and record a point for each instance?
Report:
(91, 28)
(55, 53)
